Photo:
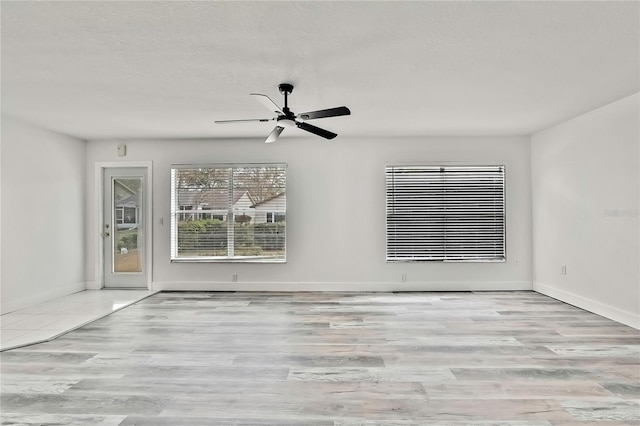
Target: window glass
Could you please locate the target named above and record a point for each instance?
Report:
(226, 213)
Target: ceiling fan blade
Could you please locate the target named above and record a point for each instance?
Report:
(248, 120)
(331, 112)
(273, 136)
(316, 130)
(268, 102)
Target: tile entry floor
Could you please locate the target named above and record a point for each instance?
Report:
(48, 320)
(334, 359)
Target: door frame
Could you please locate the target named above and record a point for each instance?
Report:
(100, 219)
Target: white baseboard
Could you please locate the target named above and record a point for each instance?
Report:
(341, 286)
(602, 309)
(40, 296)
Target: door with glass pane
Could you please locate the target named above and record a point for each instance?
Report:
(124, 227)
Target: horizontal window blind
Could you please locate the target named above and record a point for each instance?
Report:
(222, 212)
(445, 213)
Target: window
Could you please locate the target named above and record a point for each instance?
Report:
(273, 217)
(130, 215)
(445, 213)
(126, 215)
(218, 213)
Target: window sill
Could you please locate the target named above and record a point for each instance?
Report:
(244, 259)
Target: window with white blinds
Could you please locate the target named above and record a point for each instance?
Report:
(445, 213)
(234, 213)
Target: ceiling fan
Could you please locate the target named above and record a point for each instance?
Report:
(286, 118)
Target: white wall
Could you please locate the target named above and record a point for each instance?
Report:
(585, 192)
(42, 220)
(335, 212)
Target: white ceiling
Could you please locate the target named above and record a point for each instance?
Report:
(111, 69)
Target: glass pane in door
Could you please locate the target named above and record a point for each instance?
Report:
(127, 204)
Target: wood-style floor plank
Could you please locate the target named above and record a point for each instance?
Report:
(334, 359)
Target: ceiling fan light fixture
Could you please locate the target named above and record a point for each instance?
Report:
(286, 122)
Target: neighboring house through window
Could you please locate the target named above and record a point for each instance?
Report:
(272, 209)
(127, 202)
(212, 203)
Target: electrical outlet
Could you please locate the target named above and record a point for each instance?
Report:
(563, 269)
(234, 278)
(403, 277)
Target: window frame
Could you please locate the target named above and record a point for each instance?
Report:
(391, 254)
(230, 212)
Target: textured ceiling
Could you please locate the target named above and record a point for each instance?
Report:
(169, 69)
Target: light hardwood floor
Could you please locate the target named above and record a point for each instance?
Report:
(489, 358)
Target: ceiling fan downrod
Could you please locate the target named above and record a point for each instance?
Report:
(286, 89)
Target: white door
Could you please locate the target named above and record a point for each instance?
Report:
(124, 228)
